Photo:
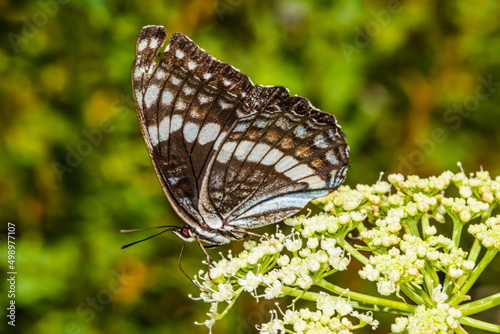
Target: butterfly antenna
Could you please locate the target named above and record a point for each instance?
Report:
(154, 235)
(150, 228)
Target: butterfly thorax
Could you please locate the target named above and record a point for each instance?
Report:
(210, 236)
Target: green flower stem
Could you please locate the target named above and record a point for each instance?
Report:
(473, 255)
(487, 258)
(460, 330)
(480, 324)
(487, 214)
(411, 226)
(353, 251)
(230, 305)
(480, 305)
(457, 231)
(431, 278)
(475, 250)
(419, 298)
(425, 223)
(366, 298)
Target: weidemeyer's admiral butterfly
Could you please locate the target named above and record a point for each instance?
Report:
(230, 155)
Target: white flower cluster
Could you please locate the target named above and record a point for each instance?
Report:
(330, 317)
(441, 319)
(488, 233)
(326, 224)
(399, 223)
(414, 184)
(404, 265)
(463, 209)
(479, 186)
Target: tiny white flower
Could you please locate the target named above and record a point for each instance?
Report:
(293, 245)
(305, 282)
(283, 260)
(465, 191)
(343, 307)
(312, 243)
(385, 288)
(250, 282)
(274, 291)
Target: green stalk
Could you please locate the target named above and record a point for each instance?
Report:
(487, 258)
(457, 231)
(411, 227)
(480, 324)
(366, 298)
(229, 306)
(480, 305)
(353, 251)
(475, 250)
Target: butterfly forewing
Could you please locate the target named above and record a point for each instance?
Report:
(229, 154)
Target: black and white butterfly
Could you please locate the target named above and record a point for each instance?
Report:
(230, 155)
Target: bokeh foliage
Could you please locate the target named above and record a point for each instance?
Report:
(401, 77)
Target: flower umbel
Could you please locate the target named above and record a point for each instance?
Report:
(399, 245)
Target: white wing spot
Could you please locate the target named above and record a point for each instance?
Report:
(188, 90)
(243, 149)
(142, 45)
(227, 82)
(138, 97)
(331, 157)
(315, 182)
(333, 176)
(176, 123)
(153, 134)
(138, 72)
(190, 131)
(167, 97)
(179, 54)
(224, 105)
(164, 128)
(219, 140)
(207, 76)
(260, 123)
(283, 124)
(258, 152)
(300, 131)
(151, 95)
(285, 163)
(173, 180)
(191, 65)
(241, 127)
(226, 152)
(299, 172)
(160, 74)
(154, 43)
(180, 105)
(272, 157)
(208, 133)
(204, 99)
(319, 141)
(175, 80)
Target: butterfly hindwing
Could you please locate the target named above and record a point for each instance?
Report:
(273, 163)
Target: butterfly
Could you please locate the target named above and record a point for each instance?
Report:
(230, 155)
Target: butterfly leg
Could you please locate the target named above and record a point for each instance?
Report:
(251, 234)
(209, 258)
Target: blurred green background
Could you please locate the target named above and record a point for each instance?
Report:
(414, 84)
